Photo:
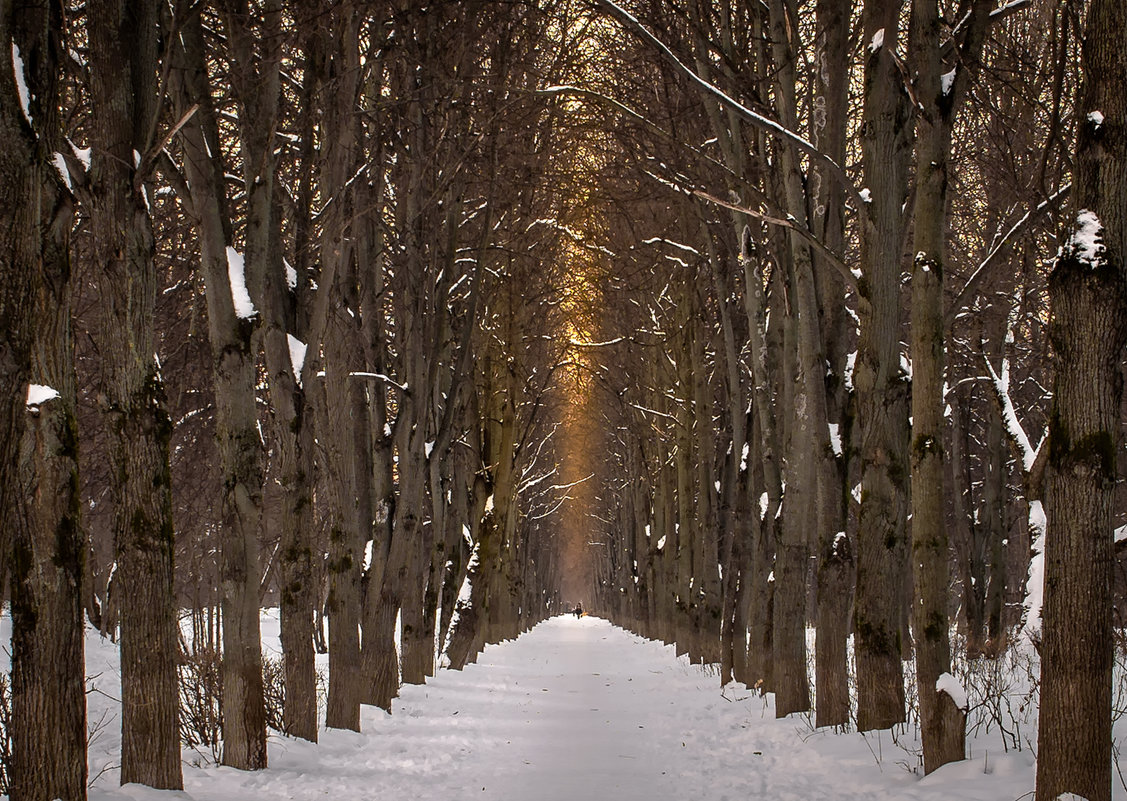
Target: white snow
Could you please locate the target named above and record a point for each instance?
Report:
(291, 274)
(661, 542)
(1096, 118)
(575, 709)
(297, 356)
(38, 394)
(428, 447)
(743, 457)
(64, 172)
(236, 270)
(1009, 414)
(1035, 583)
(835, 438)
(81, 153)
(21, 83)
(947, 683)
(866, 195)
(1087, 238)
(947, 80)
(877, 42)
(660, 240)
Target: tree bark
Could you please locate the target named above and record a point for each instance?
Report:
(836, 567)
(1088, 330)
(942, 725)
(880, 382)
(40, 510)
(123, 66)
(237, 435)
(291, 433)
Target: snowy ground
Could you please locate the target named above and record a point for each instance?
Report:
(576, 710)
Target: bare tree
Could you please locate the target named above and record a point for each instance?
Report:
(48, 722)
(1088, 330)
(124, 60)
(231, 326)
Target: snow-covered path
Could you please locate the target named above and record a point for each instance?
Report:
(578, 710)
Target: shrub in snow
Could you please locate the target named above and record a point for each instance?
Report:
(201, 686)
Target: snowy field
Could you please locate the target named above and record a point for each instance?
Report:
(576, 710)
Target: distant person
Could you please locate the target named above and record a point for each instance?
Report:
(578, 610)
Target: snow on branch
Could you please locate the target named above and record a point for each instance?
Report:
(21, 83)
(1008, 8)
(558, 505)
(572, 484)
(1035, 578)
(654, 412)
(575, 343)
(236, 271)
(657, 240)
(1009, 415)
(572, 234)
(380, 377)
(532, 482)
(791, 224)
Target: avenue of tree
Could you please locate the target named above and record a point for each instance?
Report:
(424, 321)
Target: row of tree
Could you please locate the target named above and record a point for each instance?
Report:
(842, 229)
(283, 281)
(419, 317)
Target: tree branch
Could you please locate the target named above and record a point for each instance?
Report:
(1018, 228)
(757, 120)
(789, 223)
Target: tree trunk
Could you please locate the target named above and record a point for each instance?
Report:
(39, 507)
(291, 429)
(1088, 329)
(123, 62)
(48, 670)
(880, 382)
(237, 436)
(345, 543)
(836, 568)
(964, 535)
(942, 723)
(466, 623)
(21, 176)
(344, 413)
(791, 687)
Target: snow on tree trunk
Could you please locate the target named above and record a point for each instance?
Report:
(1088, 330)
